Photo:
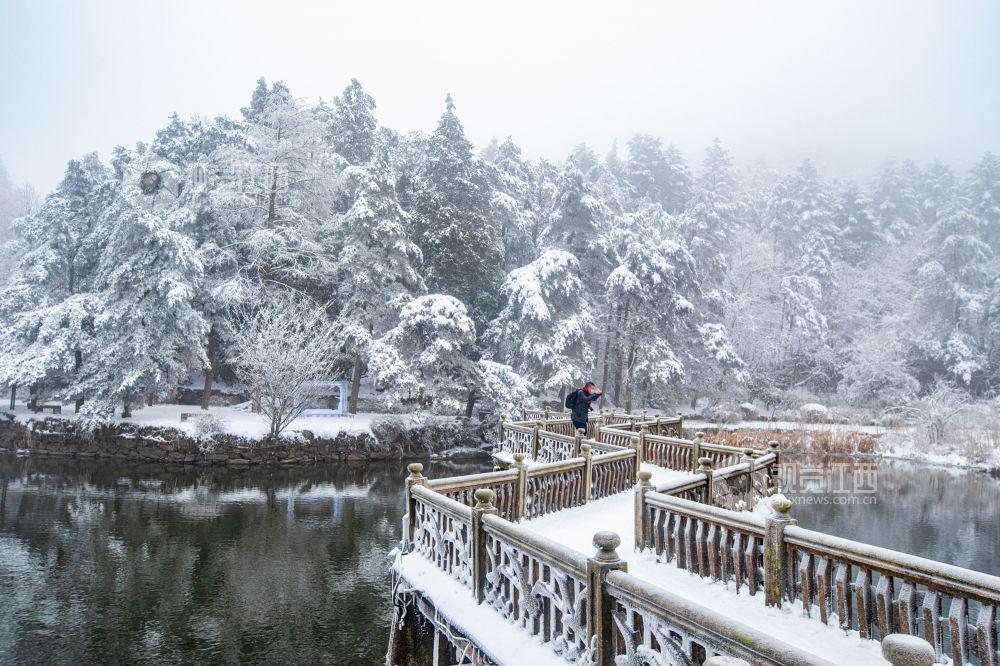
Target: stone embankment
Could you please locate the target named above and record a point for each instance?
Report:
(386, 441)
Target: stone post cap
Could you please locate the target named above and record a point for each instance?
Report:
(906, 650)
(748, 453)
(606, 544)
(518, 459)
(415, 469)
(581, 432)
(781, 505)
(773, 444)
(644, 428)
(644, 476)
(484, 498)
(503, 417)
(704, 463)
(585, 448)
(699, 435)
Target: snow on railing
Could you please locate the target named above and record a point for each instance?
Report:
(875, 591)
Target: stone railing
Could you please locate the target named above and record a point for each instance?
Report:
(873, 590)
(588, 610)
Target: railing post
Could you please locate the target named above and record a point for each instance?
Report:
(680, 425)
(416, 478)
(588, 470)
(503, 418)
(631, 423)
(522, 486)
(598, 425)
(640, 450)
(484, 505)
(907, 650)
(705, 467)
(699, 437)
(777, 568)
(534, 442)
(578, 436)
(748, 488)
(775, 466)
(658, 431)
(600, 629)
(641, 519)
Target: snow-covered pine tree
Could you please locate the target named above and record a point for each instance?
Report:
(956, 276)
(710, 222)
(47, 308)
(426, 356)
(859, 235)
(189, 148)
(661, 176)
(982, 189)
(377, 266)
(543, 332)
(800, 216)
(459, 236)
(354, 129)
(279, 189)
(511, 177)
(149, 333)
(895, 202)
(936, 190)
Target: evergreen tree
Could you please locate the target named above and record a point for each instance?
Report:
(544, 329)
(354, 130)
(460, 239)
(47, 308)
(859, 236)
(895, 201)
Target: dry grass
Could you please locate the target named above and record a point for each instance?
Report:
(825, 442)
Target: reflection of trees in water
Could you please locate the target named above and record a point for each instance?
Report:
(117, 562)
(935, 512)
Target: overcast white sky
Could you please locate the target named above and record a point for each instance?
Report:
(844, 82)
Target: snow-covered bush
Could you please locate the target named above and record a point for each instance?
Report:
(814, 413)
(206, 428)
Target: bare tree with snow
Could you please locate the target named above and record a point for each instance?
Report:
(281, 349)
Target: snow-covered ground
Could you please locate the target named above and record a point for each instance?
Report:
(236, 421)
(576, 527)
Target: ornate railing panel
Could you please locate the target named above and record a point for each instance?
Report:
(462, 489)
(538, 585)
(442, 533)
(554, 487)
(711, 542)
(612, 473)
(654, 626)
(670, 452)
(554, 447)
(879, 591)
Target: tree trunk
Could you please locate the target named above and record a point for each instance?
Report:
(630, 379)
(470, 403)
(604, 362)
(13, 396)
(352, 402)
(126, 407)
(77, 364)
(255, 401)
(206, 392)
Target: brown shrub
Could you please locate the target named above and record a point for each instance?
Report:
(827, 442)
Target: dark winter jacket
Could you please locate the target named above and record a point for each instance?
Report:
(581, 410)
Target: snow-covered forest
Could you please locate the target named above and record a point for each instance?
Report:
(450, 277)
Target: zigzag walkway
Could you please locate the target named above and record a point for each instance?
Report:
(501, 567)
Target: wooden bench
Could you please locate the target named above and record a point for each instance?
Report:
(192, 415)
(53, 407)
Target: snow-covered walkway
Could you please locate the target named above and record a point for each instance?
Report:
(576, 527)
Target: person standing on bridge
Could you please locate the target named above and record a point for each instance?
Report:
(578, 402)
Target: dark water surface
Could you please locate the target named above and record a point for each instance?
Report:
(109, 562)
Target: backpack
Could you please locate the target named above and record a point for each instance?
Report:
(571, 399)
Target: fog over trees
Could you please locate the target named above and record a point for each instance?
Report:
(455, 277)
